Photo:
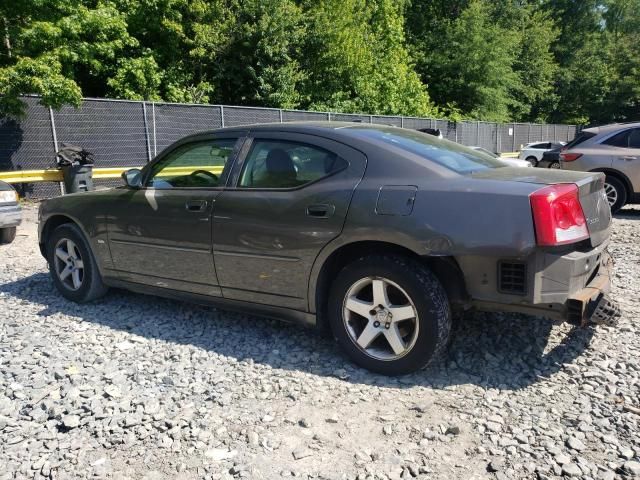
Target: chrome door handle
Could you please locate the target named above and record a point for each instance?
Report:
(628, 158)
(195, 205)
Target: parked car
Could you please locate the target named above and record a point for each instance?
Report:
(10, 213)
(613, 150)
(512, 162)
(550, 159)
(380, 234)
(532, 152)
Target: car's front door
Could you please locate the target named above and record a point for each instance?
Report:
(160, 234)
(287, 199)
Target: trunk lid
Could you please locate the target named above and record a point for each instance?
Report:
(590, 187)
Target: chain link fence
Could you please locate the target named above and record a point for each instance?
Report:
(130, 133)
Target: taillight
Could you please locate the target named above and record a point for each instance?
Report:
(557, 215)
(570, 157)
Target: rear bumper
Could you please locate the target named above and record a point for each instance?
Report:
(10, 216)
(573, 287)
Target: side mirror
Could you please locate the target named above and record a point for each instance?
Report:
(132, 178)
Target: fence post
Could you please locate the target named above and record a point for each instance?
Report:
(497, 130)
(153, 118)
(514, 137)
(55, 142)
(529, 134)
(455, 131)
(478, 134)
(280, 115)
(328, 116)
(401, 122)
(222, 115)
(146, 130)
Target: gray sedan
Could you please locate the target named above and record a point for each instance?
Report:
(10, 213)
(379, 234)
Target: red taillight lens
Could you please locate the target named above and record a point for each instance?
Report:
(557, 215)
(570, 157)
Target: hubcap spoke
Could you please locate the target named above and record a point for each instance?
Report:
(402, 313)
(75, 277)
(65, 273)
(79, 264)
(71, 249)
(395, 339)
(368, 335)
(380, 293)
(360, 307)
(61, 254)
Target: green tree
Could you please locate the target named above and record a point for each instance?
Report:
(356, 59)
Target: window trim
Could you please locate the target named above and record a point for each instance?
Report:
(246, 150)
(240, 138)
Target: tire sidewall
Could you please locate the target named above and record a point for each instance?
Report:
(425, 291)
(622, 193)
(74, 234)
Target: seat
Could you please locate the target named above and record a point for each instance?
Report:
(280, 171)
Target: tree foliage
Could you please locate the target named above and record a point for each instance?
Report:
(499, 60)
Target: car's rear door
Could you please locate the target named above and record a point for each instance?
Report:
(288, 197)
(161, 234)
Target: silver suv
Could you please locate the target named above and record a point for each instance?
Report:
(612, 149)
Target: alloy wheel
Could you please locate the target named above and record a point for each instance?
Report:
(68, 263)
(612, 194)
(380, 318)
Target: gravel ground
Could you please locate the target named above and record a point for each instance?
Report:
(141, 387)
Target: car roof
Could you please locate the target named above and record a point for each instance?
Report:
(611, 127)
(300, 126)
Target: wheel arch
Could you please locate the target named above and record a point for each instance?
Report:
(445, 268)
(53, 222)
(620, 176)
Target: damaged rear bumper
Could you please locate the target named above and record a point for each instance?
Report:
(592, 304)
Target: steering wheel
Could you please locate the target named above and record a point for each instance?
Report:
(206, 173)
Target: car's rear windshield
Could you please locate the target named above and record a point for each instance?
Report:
(443, 152)
(581, 137)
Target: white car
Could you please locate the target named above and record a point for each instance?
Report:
(512, 162)
(532, 152)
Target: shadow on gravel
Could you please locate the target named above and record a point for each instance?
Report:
(628, 214)
(505, 351)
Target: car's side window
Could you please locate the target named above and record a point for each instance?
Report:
(618, 140)
(634, 138)
(193, 165)
(284, 164)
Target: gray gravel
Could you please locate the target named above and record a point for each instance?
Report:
(141, 387)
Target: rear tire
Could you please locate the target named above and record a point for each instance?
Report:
(616, 193)
(555, 165)
(72, 266)
(532, 160)
(7, 235)
(390, 314)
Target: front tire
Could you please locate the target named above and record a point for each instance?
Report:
(532, 160)
(7, 235)
(616, 193)
(72, 265)
(390, 314)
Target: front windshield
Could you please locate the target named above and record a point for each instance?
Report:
(443, 152)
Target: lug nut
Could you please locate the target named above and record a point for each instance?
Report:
(376, 324)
